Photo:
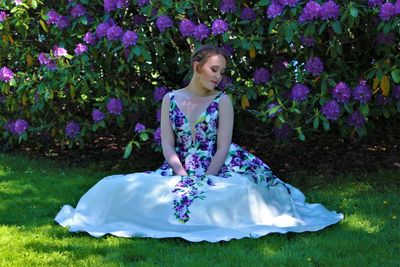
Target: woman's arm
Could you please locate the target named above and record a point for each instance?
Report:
(168, 139)
(224, 138)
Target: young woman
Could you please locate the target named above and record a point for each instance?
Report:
(208, 189)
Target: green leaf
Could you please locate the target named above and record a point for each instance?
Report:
(353, 12)
(34, 4)
(289, 33)
(144, 136)
(364, 108)
(264, 2)
(128, 150)
(326, 126)
(395, 75)
(316, 123)
(398, 106)
(337, 28)
(302, 137)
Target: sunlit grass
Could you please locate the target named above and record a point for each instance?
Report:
(32, 192)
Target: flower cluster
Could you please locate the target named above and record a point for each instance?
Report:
(228, 6)
(299, 92)
(80, 49)
(314, 11)
(164, 22)
(45, 59)
(261, 75)
(6, 74)
(160, 92)
(3, 16)
(389, 10)
(97, 115)
(17, 127)
(139, 127)
(59, 21)
(219, 26)
(113, 32)
(114, 106)
(362, 92)
(314, 66)
(356, 119)
(331, 110)
(342, 92)
(72, 129)
(111, 5)
(78, 11)
(248, 14)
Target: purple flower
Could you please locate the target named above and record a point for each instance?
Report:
(122, 3)
(109, 5)
(139, 19)
(72, 129)
(308, 41)
(51, 65)
(228, 50)
(342, 92)
(20, 126)
(299, 92)
(387, 39)
(6, 74)
(388, 10)
(186, 27)
(159, 93)
(114, 33)
(114, 106)
(102, 29)
(228, 6)
(314, 66)
(362, 92)
(373, 3)
(139, 127)
(201, 32)
(225, 82)
(163, 22)
(310, 12)
(80, 49)
(261, 75)
(219, 26)
(274, 10)
(282, 133)
(290, 3)
(331, 110)
(157, 135)
(78, 11)
(130, 38)
(248, 14)
(329, 10)
(158, 115)
(63, 22)
(142, 2)
(396, 92)
(382, 100)
(3, 16)
(97, 115)
(52, 17)
(44, 58)
(90, 38)
(356, 119)
(59, 51)
(10, 126)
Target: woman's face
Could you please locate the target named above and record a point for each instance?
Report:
(211, 73)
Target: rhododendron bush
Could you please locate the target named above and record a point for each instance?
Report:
(71, 69)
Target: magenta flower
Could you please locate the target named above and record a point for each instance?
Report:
(80, 49)
(261, 75)
(97, 115)
(201, 32)
(362, 92)
(274, 10)
(59, 51)
(109, 5)
(90, 38)
(186, 27)
(78, 11)
(314, 66)
(388, 10)
(20, 126)
(299, 92)
(248, 14)
(139, 127)
(310, 12)
(114, 106)
(356, 119)
(164, 22)
(3, 16)
(342, 92)
(331, 110)
(44, 58)
(63, 22)
(157, 135)
(228, 6)
(290, 3)
(114, 33)
(329, 10)
(130, 38)
(159, 93)
(219, 26)
(6, 74)
(72, 129)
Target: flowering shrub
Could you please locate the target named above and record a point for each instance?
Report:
(71, 68)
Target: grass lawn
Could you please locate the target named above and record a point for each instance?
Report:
(32, 192)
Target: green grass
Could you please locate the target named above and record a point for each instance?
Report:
(32, 192)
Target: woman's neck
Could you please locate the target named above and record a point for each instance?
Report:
(196, 89)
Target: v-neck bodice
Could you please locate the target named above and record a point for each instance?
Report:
(202, 137)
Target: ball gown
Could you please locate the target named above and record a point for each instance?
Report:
(245, 199)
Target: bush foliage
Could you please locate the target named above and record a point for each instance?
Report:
(71, 69)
